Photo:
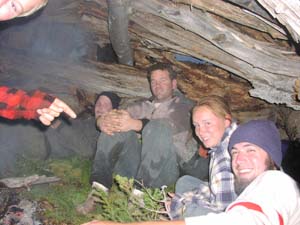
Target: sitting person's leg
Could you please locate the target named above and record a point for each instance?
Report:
(158, 161)
(188, 183)
(117, 154)
(187, 202)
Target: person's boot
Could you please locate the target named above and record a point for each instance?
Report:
(92, 200)
(88, 206)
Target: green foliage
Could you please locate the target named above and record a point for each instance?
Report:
(124, 203)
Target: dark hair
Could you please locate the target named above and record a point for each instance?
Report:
(161, 66)
(114, 98)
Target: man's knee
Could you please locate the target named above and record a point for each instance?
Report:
(158, 126)
(180, 183)
(186, 183)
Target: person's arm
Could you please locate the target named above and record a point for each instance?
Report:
(222, 186)
(47, 115)
(126, 122)
(108, 122)
(178, 222)
(18, 104)
(118, 121)
(221, 181)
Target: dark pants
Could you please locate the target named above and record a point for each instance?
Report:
(117, 154)
(158, 157)
(153, 162)
(196, 167)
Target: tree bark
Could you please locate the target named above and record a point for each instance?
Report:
(287, 13)
(270, 70)
(64, 79)
(237, 15)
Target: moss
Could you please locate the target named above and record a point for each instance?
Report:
(59, 200)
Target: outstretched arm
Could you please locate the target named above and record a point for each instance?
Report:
(19, 104)
(47, 115)
(177, 222)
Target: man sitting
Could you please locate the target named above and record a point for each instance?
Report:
(163, 121)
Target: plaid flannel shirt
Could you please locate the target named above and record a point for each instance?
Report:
(219, 191)
(16, 104)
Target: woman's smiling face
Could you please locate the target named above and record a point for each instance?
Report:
(209, 127)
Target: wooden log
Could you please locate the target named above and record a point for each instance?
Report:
(253, 6)
(236, 15)
(19, 182)
(287, 13)
(64, 78)
(265, 66)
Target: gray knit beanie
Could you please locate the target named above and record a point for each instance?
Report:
(262, 133)
(114, 98)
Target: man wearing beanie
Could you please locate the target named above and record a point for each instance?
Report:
(267, 196)
(247, 150)
(105, 102)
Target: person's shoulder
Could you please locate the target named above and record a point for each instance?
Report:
(277, 177)
(275, 174)
(135, 102)
(180, 98)
(271, 185)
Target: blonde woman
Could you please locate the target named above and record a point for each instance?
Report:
(213, 125)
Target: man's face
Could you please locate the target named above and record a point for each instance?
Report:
(248, 162)
(10, 9)
(103, 105)
(208, 127)
(161, 85)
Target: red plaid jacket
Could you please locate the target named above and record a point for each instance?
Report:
(15, 104)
